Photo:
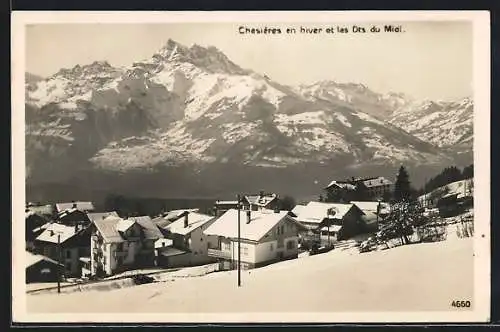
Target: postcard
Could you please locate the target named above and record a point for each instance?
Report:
(251, 167)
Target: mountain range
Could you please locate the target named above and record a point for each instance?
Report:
(190, 122)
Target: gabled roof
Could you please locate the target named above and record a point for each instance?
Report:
(82, 206)
(124, 224)
(32, 259)
(342, 185)
(151, 231)
(261, 222)
(107, 227)
(297, 209)
(195, 220)
(161, 222)
(93, 216)
(52, 230)
(371, 206)
(316, 212)
(259, 200)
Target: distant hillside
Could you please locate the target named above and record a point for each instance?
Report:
(462, 188)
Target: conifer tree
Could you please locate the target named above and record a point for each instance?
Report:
(402, 189)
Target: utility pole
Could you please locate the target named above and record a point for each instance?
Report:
(239, 241)
(59, 263)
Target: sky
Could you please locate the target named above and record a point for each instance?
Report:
(429, 60)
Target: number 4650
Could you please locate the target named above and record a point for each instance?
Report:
(460, 304)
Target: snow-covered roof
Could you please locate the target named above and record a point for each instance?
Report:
(32, 259)
(93, 216)
(259, 200)
(297, 209)
(161, 222)
(316, 212)
(379, 181)
(124, 224)
(342, 185)
(107, 227)
(52, 231)
(151, 231)
(261, 222)
(370, 205)
(82, 206)
(195, 220)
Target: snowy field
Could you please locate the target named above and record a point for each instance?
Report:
(418, 277)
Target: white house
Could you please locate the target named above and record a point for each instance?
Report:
(334, 221)
(119, 244)
(190, 244)
(266, 236)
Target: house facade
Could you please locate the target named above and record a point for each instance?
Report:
(65, 244)
(42, 269)
(121, 244)
(189, 242)
(332, 221)
(266, 236)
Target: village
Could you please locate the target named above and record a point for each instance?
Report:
(71, 243)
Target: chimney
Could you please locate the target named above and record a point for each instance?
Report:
(76, 228)
(186, 224)
(261, 193)
(249, 216)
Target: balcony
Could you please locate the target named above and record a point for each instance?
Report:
(219, 253)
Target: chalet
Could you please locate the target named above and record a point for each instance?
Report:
(448, 205)
(82, 206)
(335, 221)
(373, 212)
(190, 244)
(119, 244)
(340, 191)
(41, 269)
(65, 244)
(266, 236)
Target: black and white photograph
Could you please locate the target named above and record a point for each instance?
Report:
(251, 167)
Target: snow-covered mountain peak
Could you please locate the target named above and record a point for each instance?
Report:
(208, 58)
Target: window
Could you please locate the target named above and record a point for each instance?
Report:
(245, 251)
(290, 245)
(271, 247)
(68, 253)
(282, 229)
(45, 271)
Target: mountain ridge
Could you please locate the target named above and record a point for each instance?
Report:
(193, 107)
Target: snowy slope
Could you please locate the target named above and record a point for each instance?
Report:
(444, 124)
(192, 105)
(355, 95)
